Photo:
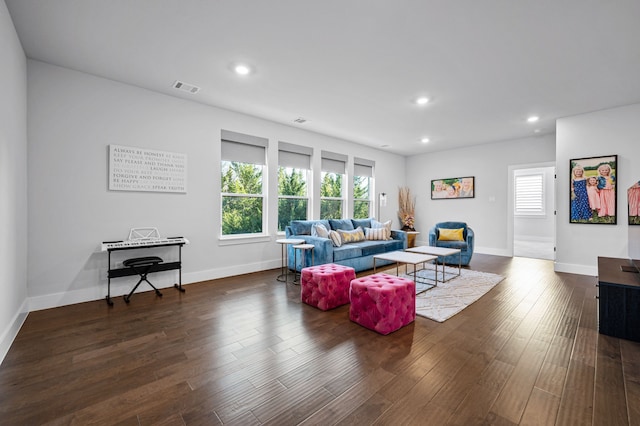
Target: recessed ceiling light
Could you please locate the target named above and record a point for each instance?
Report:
(422, 100)
(533, 119)
(424, 140)
(242, 69)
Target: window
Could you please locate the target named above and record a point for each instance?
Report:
(362, 184)
(241, 191)
(529, 194)
(294, 164)
(331, 194)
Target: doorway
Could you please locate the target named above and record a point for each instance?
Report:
(533, 210)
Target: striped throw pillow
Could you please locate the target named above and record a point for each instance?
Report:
(384, 225)
(375, 233)
(335, 238)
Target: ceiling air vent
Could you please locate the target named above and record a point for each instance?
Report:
(300, 120)
(190, 88)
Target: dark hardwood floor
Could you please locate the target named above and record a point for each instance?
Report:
(244, 350)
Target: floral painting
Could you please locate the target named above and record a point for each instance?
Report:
(593, 190)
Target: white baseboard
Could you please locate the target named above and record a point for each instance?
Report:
(492, 251)
(214, 274)
(122, 286)
(576, 269)
(535, 238)
(10, 333)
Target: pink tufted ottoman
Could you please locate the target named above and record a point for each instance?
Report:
(382, 302)
(326, 286)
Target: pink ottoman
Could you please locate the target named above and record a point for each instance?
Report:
(382, 302)
(326, 286)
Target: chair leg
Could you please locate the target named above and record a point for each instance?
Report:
(143, 277)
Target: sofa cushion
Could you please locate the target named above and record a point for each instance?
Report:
(344, 224)
(392, 245)
(303, 227)
(351, 236)
(363, 223)
(462, 245)
(369, 248)
(348, 251)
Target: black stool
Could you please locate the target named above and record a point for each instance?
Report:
(142, 266)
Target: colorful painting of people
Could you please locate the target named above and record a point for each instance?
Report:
(633, 196)
(593, 190)
(452, 188)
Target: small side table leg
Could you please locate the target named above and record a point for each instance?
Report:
(295, 264)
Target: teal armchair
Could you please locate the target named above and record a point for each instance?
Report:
(465, 246)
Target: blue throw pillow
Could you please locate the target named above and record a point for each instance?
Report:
(344, 224)
(362, 223)
(301, 227)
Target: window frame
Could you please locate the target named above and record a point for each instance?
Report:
(238, 148)
(333, 163)
(363, 168)
(306, 197)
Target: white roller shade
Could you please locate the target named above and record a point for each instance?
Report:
(243, 148)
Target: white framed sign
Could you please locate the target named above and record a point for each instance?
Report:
(141, 169)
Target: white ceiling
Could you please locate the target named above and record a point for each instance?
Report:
(353, 67)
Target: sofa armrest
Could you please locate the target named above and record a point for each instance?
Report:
(322, 251)
(470, 238)
(432, 236)
(399, 235)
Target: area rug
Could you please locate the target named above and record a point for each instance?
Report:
(447, 299)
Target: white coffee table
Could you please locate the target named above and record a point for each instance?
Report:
(440, 251)
(406, 258)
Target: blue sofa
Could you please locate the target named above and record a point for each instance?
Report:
(358, 255)
(465, 246)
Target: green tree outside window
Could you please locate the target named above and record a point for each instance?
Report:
(242, 198)
(361, 197)
(331, 196)
(293, 202)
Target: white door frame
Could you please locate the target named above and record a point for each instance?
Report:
(511, 201)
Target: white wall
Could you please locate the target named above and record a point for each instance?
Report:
(13, 183)
(488, 212)
(609, 132)
(73, 117)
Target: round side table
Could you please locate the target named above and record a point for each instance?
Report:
(284, 258)
(302, 248)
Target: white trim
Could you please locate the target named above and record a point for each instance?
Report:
(491, 250)
(123, 285)
(576, 269)
(511, 201)
(10, 333)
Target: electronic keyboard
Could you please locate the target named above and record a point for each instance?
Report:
(142, 242)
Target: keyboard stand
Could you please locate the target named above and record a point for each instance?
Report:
(158, 267)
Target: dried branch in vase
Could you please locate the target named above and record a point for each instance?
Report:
(407, 206)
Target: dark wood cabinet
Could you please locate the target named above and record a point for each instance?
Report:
(619, 299)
